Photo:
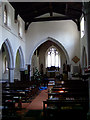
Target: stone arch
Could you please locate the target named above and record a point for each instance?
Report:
(19, 63)
(21, 58)
(9, 50)
(9, 53)
(55, 41)
(51, 47)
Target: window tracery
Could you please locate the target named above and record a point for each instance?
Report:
(53, 57)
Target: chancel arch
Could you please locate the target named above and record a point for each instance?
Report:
(39, 54)
(55, 41)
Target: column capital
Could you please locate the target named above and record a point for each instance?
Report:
(11, 68)
(22, 69)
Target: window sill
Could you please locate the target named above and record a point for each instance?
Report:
(6, 26)
(19, 36)
(83, 36)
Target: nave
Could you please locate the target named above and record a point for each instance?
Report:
(59, 99)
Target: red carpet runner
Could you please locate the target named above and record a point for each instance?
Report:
(37, 103)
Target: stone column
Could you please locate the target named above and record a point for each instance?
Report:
(83, 70)
(87, 29)
(86, 8)
(11, 75)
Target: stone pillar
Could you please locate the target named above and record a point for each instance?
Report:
(11, 75)
(87, 30)
(83, 70)
(86, 8)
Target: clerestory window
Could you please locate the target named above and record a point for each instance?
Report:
(19, 26)
(5, 15)
(82, 27)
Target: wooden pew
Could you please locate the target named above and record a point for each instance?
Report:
(70, 95)
(13, 91)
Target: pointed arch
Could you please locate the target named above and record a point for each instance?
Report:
(9, 53)
(21, 58)
(55, 41)
(10, 59)
(51, 47)
(19, 63)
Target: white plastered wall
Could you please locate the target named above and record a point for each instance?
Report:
(65, 32)
(10, 32)
(83, 43)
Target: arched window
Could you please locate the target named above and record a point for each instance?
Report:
(19, 26)
(53, 58)
(82, 27)
(5, 15)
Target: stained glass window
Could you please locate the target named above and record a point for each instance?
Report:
(53, 57)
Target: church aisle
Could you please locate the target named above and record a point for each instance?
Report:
(37, 103)
(34, 111)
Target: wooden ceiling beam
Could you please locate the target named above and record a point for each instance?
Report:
(51, 9)
(35, 13)
(76, 20)
(31, 9)
(52, 18)
(45, 19)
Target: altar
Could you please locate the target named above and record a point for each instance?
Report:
(52, 74)
(52, 71)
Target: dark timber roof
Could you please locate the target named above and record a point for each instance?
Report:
(30, 11)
